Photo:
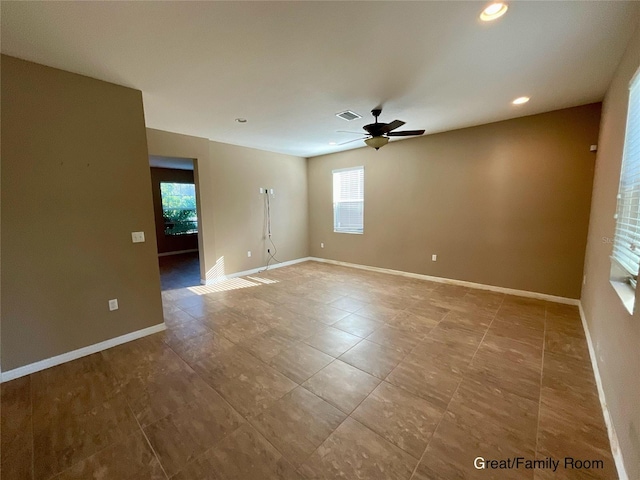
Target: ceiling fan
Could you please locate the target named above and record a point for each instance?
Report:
(378, 133)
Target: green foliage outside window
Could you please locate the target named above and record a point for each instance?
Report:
(179, 208)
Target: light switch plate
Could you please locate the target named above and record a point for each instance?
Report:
(137, 237)
(113, 304)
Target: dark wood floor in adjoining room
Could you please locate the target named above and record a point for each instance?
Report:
(316, 371)
(179, 270)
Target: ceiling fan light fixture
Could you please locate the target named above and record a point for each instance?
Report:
(376, 142)
(493, 11)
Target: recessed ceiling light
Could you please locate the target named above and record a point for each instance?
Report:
(493, 11)
(520, 100)
(241, 120)
(332, 143)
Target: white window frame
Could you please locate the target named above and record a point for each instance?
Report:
(356, 197)
(625, 255)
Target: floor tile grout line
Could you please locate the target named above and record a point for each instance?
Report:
(97, 452)
(214, 444)
(276, 448)
(454, 393)
(413, 349)
(382, 437)
(106, 446)
(244, 418)
(369, 394)
(124, 396)
(369, 428)
(165, 416)
(384, 346)
(155, 454)
(159, 419)
(348, 415)
(544, 342)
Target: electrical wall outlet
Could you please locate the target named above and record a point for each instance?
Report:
(434, 257)
(321, 245)
(272, 191)
(261, 190)
(584, 280)
(249, 253)
(113, 304)
(137, 237)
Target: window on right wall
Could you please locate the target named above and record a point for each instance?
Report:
(625, 258)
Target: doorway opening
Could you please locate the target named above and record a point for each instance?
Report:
(175, 206)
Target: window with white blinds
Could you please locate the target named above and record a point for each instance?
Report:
(348, 200)
(626, 242)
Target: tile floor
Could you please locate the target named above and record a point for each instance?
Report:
(315, 371)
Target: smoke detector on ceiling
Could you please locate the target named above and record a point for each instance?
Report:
(348, 115)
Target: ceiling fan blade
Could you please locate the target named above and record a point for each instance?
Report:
(378, 129)
(391, 126)
(350, 141)
(405, 133)
(348, 131)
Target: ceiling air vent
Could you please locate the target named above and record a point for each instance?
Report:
(348, 115)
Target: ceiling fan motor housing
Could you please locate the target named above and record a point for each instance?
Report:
(382, 131)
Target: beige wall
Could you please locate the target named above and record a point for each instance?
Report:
(236, 175)
(75, 184)
(615, 333)
(231, 211)
(503, 204)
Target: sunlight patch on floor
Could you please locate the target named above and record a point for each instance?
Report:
(231, 284)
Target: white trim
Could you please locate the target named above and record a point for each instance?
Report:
(347, 169)
(635, 77)
(613, 437)
(81, 352)
(450, 281)
(177, 252)
(222, 278)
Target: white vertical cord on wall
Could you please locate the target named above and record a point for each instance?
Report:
(272, 254)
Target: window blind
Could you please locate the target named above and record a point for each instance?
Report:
(348, 200)
(626, 242)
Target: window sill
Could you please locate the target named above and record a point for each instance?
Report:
(626, 293)
(351, 233)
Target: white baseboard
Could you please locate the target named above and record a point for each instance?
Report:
(480, 286)
(81, 352)
(177, 252)
(613, 437)
(222, 278)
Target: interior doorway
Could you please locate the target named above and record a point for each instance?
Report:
(175, 206)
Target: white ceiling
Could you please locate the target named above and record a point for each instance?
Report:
(289, 67)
